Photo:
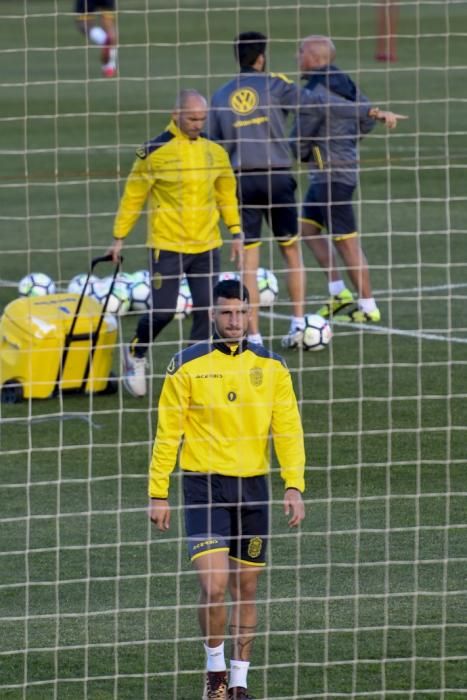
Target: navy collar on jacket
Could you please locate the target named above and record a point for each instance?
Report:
(219, 344)
(334, 80)
(249, 69)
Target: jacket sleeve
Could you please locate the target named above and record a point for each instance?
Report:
(366, 123)
(226, 194)
(287, 432)
(173, 405)
(138, 184)
(321, 104)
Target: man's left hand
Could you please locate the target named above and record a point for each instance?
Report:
(293, 504)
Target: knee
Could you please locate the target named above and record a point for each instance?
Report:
(246, 591)
(213, 593)
(292, 253)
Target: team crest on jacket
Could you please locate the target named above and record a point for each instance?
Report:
(244, 101)
(254, 547)
(256, 376)
(141, 152)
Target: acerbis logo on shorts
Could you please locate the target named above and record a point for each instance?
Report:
(205, 543)
(244, 101)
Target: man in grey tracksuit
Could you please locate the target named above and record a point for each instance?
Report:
(329, 142)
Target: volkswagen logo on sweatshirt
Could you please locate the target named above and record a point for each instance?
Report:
(244, 101)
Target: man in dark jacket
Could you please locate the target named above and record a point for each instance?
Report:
(329, 142)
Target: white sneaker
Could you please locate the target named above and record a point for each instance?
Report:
(134, 373)
(293, 339)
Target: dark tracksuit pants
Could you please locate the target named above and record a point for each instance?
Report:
(167, 268)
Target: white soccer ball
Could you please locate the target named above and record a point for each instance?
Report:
(124, 279)
(37, 284)
(184, 300)
(119, 300)
(141, 276)
(76, 284)
(317, 333)
(140, 295)
(268, 287)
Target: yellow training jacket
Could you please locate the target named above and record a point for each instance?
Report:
(190, 183)
(225, 403)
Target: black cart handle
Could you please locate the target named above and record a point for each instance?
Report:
(105, 258)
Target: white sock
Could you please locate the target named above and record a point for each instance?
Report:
(98, 36)
(215, 659)
(297, 323)
(367, 305)
(255, 338)
(336, 288)
(238, 673)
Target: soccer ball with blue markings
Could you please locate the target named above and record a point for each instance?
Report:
(76, 284)
(268, 286)
(36, 284)
(119, 299)
(317, 333)
(140, 295)
(125, 279)
(141, 276)
(184, 300)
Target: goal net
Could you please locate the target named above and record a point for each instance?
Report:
(368, 598)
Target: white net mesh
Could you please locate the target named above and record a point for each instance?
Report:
(366, 600)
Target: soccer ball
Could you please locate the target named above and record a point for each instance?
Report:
(119, 300)
(76, 284)
(125, 280)
(317, 333)
(268, 286)
(37, 284)
(141, 276)
(184, 300)
(140, 295)
(228, 276)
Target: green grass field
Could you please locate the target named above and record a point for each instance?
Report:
(369, 600)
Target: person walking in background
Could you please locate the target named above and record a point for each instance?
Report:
(220, 402)
(329, 142)
(103, 32)
(190, 185)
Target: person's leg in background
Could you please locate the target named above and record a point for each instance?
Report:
(166, 269)
(387, 20)
(109, 51)
(251, 195)
(283, 220)
(99, 30)
(202, 271)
